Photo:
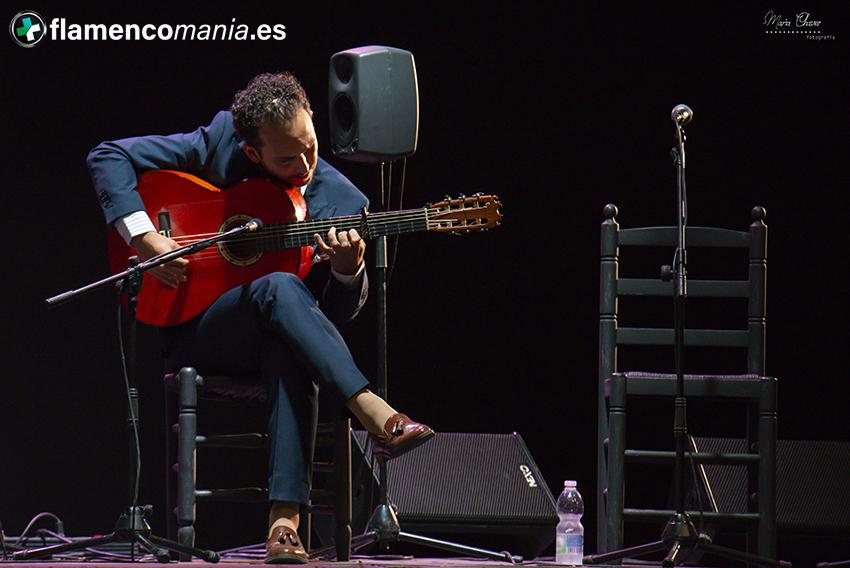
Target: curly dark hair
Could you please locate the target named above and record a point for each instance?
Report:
(270, 98)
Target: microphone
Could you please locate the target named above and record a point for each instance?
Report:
(253, 225)
(682, 114)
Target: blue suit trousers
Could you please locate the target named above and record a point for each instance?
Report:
(273, 328)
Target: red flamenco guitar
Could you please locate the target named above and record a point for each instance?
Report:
(187, 209)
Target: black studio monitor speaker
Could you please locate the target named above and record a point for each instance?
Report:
(476, 489)
(811, 484)
(374, 104)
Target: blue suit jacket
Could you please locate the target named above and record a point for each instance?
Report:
(214, 153)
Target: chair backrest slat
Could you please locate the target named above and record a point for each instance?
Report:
(694, 236)
(698, 337)
(696, 288)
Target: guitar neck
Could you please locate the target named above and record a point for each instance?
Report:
(372, 225)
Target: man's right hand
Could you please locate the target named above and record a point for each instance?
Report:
(151, 244)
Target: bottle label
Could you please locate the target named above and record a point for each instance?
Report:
(568, 544)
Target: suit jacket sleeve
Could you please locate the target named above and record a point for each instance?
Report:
(341, 303)
(332, 194)
(113, 166)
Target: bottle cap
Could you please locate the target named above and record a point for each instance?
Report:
(569, 483)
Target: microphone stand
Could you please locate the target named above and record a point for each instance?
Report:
(132, 526)
(679, 537)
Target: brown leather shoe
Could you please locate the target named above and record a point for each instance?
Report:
(401, 434)
(284, 547)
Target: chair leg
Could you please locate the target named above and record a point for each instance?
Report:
(767, 468)
(753, 481)
(342, 474)
(188, 381)
(171, 429)
(305, 526)
(602, 450)
(616, 457)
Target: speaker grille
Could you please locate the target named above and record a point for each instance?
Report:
(463, 477)
(811, 483)
(470, 478)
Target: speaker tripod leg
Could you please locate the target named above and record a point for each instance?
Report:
(455, 547)
(733, 554)
(363, 540)
(206, 555)
(678, 552)
(641, 550)
(678, 548)
(384, 528)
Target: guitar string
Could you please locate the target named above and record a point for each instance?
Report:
(293, 243)
(213, 252)
(292, 231)
(303, 241)
(375, 220)
(288, 233)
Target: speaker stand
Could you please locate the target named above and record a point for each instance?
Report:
(383, 529)
(383, 526)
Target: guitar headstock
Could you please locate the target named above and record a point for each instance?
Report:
(462, 214)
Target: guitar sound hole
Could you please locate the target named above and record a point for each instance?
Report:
(243, 250)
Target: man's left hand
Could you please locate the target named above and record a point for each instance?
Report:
(345, 250)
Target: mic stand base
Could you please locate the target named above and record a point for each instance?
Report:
(133, 528)
(681, 540)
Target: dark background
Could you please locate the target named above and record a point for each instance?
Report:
(556, 109)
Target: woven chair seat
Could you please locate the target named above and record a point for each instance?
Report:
(229, 388)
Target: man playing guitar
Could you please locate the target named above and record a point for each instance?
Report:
(273, 326)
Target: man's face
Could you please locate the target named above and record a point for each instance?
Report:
(288, 151)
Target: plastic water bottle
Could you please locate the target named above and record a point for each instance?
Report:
(569, 536)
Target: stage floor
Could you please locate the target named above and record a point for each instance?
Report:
(252, 556)
(356, 562)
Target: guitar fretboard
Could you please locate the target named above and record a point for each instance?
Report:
(299, 234)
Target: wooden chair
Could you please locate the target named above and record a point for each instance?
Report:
(756, 391)
(184, 390)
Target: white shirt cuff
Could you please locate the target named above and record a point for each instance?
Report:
(350, 280)
(133, 224)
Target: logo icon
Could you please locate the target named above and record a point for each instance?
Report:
(529, 477)
(27, 28)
